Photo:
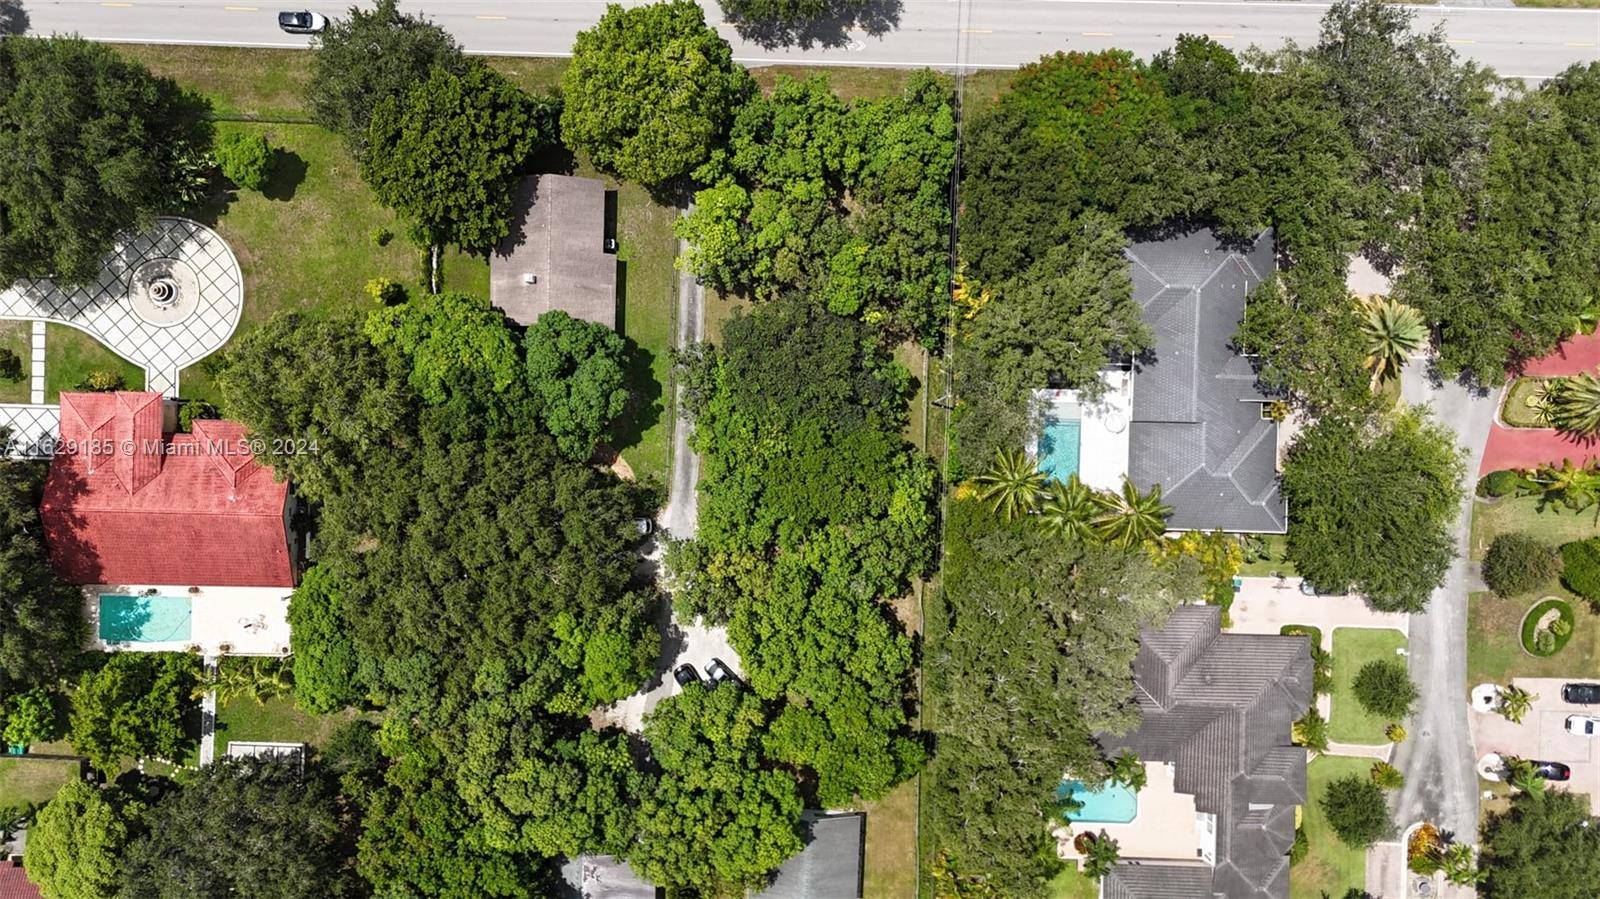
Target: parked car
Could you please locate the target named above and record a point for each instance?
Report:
(302, 22)
(719, 671)
(685, 675)
(1583, 725)
(645, 526)
(1552, 770)
(1581, 694)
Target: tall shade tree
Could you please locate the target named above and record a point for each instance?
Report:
(133, 707)
(1393, 331)
(450, 337)
(369, 56)
(576, 368)
(243, 827)
(1372, 506)
(1543, 845)
(1129, 518)
(447, 153)
(324, 658)
(1013, 486)
(76, 844)
(1303, 332)
(650, 91)
(91, 146)
(41, 618)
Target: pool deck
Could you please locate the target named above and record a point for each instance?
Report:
(1103, 428)
(1166, 826)
(223, 620)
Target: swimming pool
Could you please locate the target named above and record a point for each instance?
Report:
(1058, 447)
(144, 619)
(1113, 803)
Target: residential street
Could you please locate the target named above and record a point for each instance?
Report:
(1437, 758)
(941, 33)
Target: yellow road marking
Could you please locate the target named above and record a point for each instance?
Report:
(1457, 40)
(1220, 37)
(1098, 34)
(1580, 43)
(491, 18)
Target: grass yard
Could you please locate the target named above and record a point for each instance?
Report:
(18, 338)
(1354, 647)
(1072, 884)
(1330, 868)
(1493, 651)
(1274, 561)
(33, 780)
(649, 283)
(240, 82)
(1554, 525)
(275, 721)
(69, 356)
(891, 851)
(915, 358)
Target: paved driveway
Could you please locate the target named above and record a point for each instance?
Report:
(1542, 735)
(1264, 604)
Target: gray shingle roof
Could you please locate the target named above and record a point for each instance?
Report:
(558, 236)
(1197, 428)
(830, 865)
(1219, 707)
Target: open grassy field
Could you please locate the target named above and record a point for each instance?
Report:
(275, 721)
(891, 851)
(1073, 884)
(1554, 525)
(1354, 647)
(240, 82)
(33, 780)
(1495, 656)
(646, 250)
(1331, 867)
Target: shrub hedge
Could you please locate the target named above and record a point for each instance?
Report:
(1517, 563)
(1580, 568)
(1499, 483)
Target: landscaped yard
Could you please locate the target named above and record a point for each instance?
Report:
(69, 356)
(1515, 410)
(891, 853)
(1331, 867)
(1554, 525)
(1493, 651)
(33, 780)
(650, 294)
(1070, 884)
(275, 721)
(17, 337)
(1274, 561)
(1354, 647)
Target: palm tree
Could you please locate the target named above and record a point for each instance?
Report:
(1461, 868)
(1102, 852)
(1571, 486)
(1127, 769)
(259, 679)
(1069, 509)
(1128, 518)
(1574, 404)
(1012, 486)
(1515, 703)
(1524, 776)
(1393, 331)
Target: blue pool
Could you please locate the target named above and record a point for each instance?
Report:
(143, 619)
(1058, 447)
(1113, 803)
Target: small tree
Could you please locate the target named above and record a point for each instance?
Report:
(1102, 853)
(1387, 776)
(1425, 850)
(1517, 563)
(1515, 703)
(31, 718)
(11, 365)
(1522, 774)
(1461, 866)
(1396, 733)
(1012, 486)
(1128, 769)
(1384, 687)
(1357, 811)
(1311, 731)
(578, 369)
(245, 158)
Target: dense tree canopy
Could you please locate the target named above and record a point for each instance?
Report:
(1372, 506)
(450, 338)
(132, 707)
(41, 618)
(1545, 844)
(324, 657)
(650, 91)
(369, 56)
(1013, 711)
(446, 155)
(76, 844)
(91, 145)
(577, 369)
(1303, 331)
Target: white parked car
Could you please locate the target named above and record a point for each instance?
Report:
(1583, 725)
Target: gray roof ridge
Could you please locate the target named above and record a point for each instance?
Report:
(1134, 258)
(1239, 454)
(1245, 260)
(1165, 490)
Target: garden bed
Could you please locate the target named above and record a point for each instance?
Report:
(1515, 411)
(1535, 621)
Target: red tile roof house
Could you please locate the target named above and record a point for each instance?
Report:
(132, 508)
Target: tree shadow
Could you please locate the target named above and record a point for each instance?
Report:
(13, 18)
(830, 29)
(288, 171)
(644, 407)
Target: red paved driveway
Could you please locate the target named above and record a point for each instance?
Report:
(1532, 447)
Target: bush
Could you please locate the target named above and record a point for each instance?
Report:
(1384, 688)
(1321, 659)
(195, 410)
(1580, 568)
(1396, 733)
(1301, 847)
(1311, 731)
(1544, 643)
(386, 292)
(11, 366)
(246, 159)
(1517, 563)
(1499, 483)
(381, 236)
(1357, 811)
(1387, 776)
(101, 380)
(1547, 641)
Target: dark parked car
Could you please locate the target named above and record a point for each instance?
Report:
(719, 671)
(1581, 694)
(1552, 770)
(685, 675)
(302, 22)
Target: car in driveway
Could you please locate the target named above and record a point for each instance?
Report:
(1581, 694)
(720, 673)
(1583, 725)
(302, 22)
(685, 675)
(1551, 770)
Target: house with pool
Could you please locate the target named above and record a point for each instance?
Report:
(179, 540)
(1216, 817)
(1189, 415)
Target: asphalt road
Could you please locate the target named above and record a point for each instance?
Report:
(1436, 758)
(1531, 43)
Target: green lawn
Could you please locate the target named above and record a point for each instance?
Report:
(18, 338)
(1331, 867)
(1495, 656)
(33, 780)
(275, 721)
(1554, 525)
(240, 82)
(1275, 561)
(1354, 647)
(69, 356)
(649, 298)
(891, 851)
(1071, 884)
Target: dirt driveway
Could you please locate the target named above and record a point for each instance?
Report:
(1542, 735)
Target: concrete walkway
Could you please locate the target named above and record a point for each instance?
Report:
(208, 717)
(36, 369)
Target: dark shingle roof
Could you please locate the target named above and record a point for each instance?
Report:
(1219, 707)
(830, 865)
(1197, 428)
(558, 236)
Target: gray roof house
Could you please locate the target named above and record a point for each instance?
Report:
(555, 257)
(1198, 427)
(1218, 709)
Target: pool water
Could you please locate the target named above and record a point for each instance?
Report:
(144, 619)
(1058, 447)
(1113, 803)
